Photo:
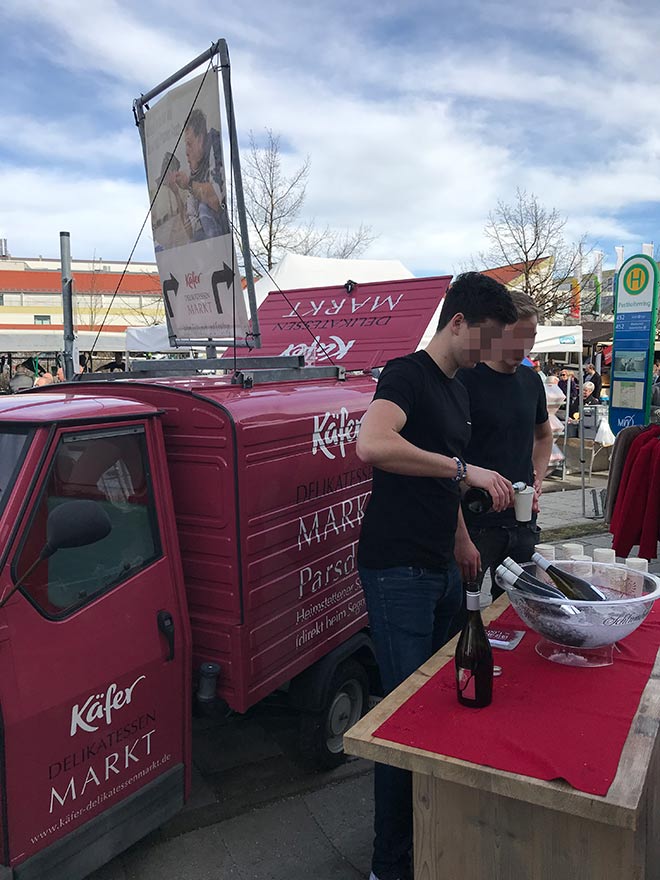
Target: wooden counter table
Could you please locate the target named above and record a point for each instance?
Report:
(473, 822)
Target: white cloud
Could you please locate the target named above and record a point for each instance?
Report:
(105, 36)
(72, 141)
(418, 140)
(102, 215)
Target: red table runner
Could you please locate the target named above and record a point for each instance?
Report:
(546, 720)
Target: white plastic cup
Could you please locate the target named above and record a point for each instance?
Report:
(602, 575)
(617, 578)
(582, 567)
(638, 564)
(522, 504)
(570, 551)
(604, 554)
(546, 550)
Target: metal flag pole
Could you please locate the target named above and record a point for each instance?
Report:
(566, 417)
(581, 429)
(67, 304)
(238, 189)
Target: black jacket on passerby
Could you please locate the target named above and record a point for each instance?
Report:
(597, 380)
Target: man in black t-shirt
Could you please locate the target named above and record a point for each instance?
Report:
(415, 435)
(511, 434)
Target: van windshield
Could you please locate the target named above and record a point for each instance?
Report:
(13, 446)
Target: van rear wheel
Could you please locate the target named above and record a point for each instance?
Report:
(322, 733)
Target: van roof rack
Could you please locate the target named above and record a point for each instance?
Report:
(247, 371)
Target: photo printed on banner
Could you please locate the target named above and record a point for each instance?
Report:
(194, 247)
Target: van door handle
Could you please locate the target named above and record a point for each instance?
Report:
(166, 627)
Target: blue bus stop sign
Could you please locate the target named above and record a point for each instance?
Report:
(634, 342)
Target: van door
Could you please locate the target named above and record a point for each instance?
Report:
(95, 660)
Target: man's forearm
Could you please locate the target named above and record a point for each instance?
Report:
(541, 455)
(397, 455)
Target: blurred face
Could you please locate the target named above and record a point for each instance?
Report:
(514, 344)
(474, 343)
(194, 148)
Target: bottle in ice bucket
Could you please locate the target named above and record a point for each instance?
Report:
(573, 587)
(514, 575)
(474, 657)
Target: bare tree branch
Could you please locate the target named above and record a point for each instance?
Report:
(526, 232)
(274, 203)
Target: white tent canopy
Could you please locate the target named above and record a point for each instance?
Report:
(295, 271)
(44, 339)
(154, 338)
(551, 340)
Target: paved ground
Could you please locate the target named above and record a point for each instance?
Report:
(255, 815)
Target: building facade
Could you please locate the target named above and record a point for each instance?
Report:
(106, 295)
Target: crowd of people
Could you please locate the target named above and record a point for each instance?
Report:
(31, 373)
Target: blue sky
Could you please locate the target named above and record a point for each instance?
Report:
(417, 116)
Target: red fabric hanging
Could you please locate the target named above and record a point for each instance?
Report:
(637, 486)
(648, 542)
(546, 721)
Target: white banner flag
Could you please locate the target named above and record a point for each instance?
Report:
(192, 235)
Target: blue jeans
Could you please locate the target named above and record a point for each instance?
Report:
(410, 613)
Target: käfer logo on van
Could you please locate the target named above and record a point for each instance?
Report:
(334, 430)
(99, 707)
(318, 350)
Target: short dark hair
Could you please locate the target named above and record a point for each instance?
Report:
(525, 305)
(478, 297)
(197, 122)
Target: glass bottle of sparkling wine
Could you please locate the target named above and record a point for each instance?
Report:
(474, 657)
(573, 587)
(527, 583)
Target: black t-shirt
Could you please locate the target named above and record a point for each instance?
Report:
(412, 520)
(505, 408)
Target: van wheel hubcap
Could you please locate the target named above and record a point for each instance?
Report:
(345, 710)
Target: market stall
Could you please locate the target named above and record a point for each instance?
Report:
(554, 340)
(489, 795)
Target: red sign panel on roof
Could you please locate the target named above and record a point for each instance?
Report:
(355, 326)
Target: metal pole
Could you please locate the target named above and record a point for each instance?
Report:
(238, 183)
(67, 304)
(566, 417)
(581, 430)
(138, 103)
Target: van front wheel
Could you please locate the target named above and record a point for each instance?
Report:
(322, 733)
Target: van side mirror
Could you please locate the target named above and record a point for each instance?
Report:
(70, 524)
(75, 524)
